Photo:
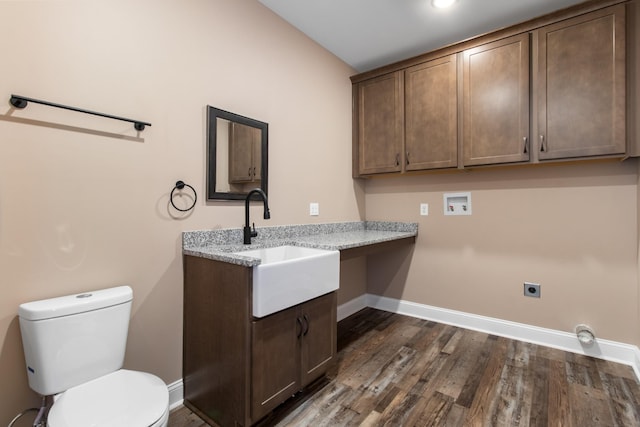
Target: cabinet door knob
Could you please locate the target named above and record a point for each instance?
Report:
(526, 145)
(301, 328)
(542, 147)
(306, 325)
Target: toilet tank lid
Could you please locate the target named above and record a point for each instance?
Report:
(74, 304)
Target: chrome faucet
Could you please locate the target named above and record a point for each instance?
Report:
(248, 232)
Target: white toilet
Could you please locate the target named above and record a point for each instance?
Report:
(74, 347)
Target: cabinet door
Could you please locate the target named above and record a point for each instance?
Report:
(257, 156)
(319, 336)
(581, 87)
(380, 124)
(496, 102)
(243, 140)
(431, 116)
(275, 373)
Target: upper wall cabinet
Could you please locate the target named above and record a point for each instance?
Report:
(496, 102)
(581, 86)
(380, 125)
(431, 115)
(407, 120)
(553, 88)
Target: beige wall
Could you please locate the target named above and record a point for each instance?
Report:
(571, 228)
(81, 211)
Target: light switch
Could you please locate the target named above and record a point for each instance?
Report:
(314, 209)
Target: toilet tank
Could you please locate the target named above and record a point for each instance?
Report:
(73, 339)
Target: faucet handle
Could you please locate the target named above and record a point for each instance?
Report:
(254, 233)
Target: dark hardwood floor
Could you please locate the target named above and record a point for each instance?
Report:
(394, 370)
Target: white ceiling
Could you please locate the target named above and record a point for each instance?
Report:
(367, 34)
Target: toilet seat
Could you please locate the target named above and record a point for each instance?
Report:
(122, 398)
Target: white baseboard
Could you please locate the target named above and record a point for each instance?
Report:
(626, 354)
(176, 394)
(351, 307)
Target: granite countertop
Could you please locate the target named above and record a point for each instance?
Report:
(221, 244)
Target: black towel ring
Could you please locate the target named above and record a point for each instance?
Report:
(179, 186)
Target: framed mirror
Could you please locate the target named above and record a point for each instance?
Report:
(237, 155)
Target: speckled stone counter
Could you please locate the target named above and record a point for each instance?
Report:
(221, 245)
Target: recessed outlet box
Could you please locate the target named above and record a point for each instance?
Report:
(531, 290)
(314, 209)
(457, 203)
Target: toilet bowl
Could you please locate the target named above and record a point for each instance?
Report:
(74, 351)
(122, 398)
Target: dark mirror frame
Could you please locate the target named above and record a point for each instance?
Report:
(212, 115)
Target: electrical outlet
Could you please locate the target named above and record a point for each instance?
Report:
(531, 290)
(424, 209)
(314, 209)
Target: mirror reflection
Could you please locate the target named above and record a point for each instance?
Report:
(237, 155)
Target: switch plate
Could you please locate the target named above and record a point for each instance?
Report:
(424, 209)
(314, 209)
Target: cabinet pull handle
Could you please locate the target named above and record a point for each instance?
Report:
(249, 171)
(526, 145)
(306, 323)
(254, 171)
(542, 147)
(408, 162)
(299, 322)
(397, 159)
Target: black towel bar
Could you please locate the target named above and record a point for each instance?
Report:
(22, 101)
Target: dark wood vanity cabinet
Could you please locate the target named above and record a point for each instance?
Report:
(581, 86)
(291, 349)
(237, 368)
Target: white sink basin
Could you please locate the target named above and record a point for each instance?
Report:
(289, 275)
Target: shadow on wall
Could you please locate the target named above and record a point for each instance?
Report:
(8, 117)
(358, 187)
(593, 173)
(156, 322)
(15, 389)
(387, 272)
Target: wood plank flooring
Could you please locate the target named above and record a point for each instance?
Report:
(395, 370)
